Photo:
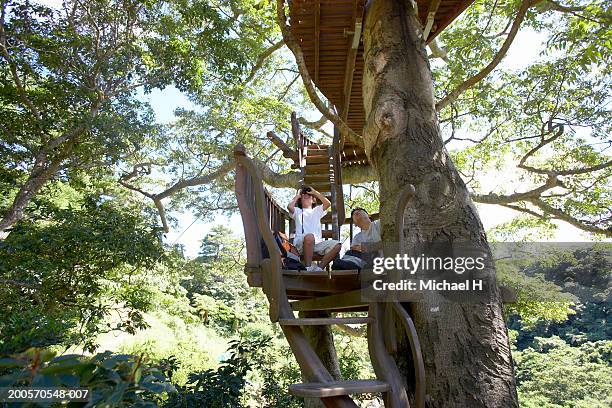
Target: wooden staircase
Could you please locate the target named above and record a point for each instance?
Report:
(290, 291)
(322, 170)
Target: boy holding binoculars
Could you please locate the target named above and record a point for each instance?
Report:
(308, 236)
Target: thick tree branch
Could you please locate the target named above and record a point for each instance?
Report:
(313, 124)
(352, 174)
(196, 181)
(288, 152)
(563, 216)
(493, 198)
(551, 5)
(180, 185)
(316, 125)
(262, 58)
(288, 38)
(454, 94)
(523, 209)
(277, 180)
(534, 197)
(584, 169)
(437, 51)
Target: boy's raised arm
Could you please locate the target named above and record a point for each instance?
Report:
(291, 205)
(326, 203)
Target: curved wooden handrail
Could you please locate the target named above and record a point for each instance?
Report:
(275, 288)
(417, 356)
(312, 368)
(406, 195)
(382, 361)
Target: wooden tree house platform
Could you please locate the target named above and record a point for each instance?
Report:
(333, 292)
(329, 34)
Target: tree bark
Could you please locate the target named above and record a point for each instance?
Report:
(465, 346)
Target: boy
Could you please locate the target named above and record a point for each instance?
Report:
(368, 239)
(308, 237)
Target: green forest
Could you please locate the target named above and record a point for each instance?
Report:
(97, 292)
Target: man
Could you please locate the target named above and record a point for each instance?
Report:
(368, 239)
(308, 236)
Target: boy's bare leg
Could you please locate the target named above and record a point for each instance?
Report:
(308, 248)
(330, 255)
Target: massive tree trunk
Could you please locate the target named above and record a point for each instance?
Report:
(465, 346)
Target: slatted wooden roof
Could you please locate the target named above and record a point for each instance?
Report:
(329, 33)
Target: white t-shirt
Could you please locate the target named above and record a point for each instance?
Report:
(372, 234)
(312, 222)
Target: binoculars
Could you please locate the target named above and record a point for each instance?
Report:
(305, 190)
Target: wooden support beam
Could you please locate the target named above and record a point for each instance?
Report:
(338, 284)
(317, 39)
(323, 321)
(295, 129)
(330, 389)
(349, 68)
(431, 14)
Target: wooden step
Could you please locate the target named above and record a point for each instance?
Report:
(321, 188)
(317, 168)
(317, 152)
(337, 388)
(316, 178)
(316, 146)
(323, 321)
(313, 284)
(316, 160)
(347, 300)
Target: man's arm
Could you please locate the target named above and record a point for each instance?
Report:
(291, 205)
(356, 242)
(324, 201)
(371, 246)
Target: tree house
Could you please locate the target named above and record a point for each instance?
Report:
(329, 35)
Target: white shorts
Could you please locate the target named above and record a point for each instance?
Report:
(320, 248)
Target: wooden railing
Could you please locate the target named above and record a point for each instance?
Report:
(279, 219)
(301, 142)
(259, 211)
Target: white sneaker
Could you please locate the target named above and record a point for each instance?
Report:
(314, 268)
